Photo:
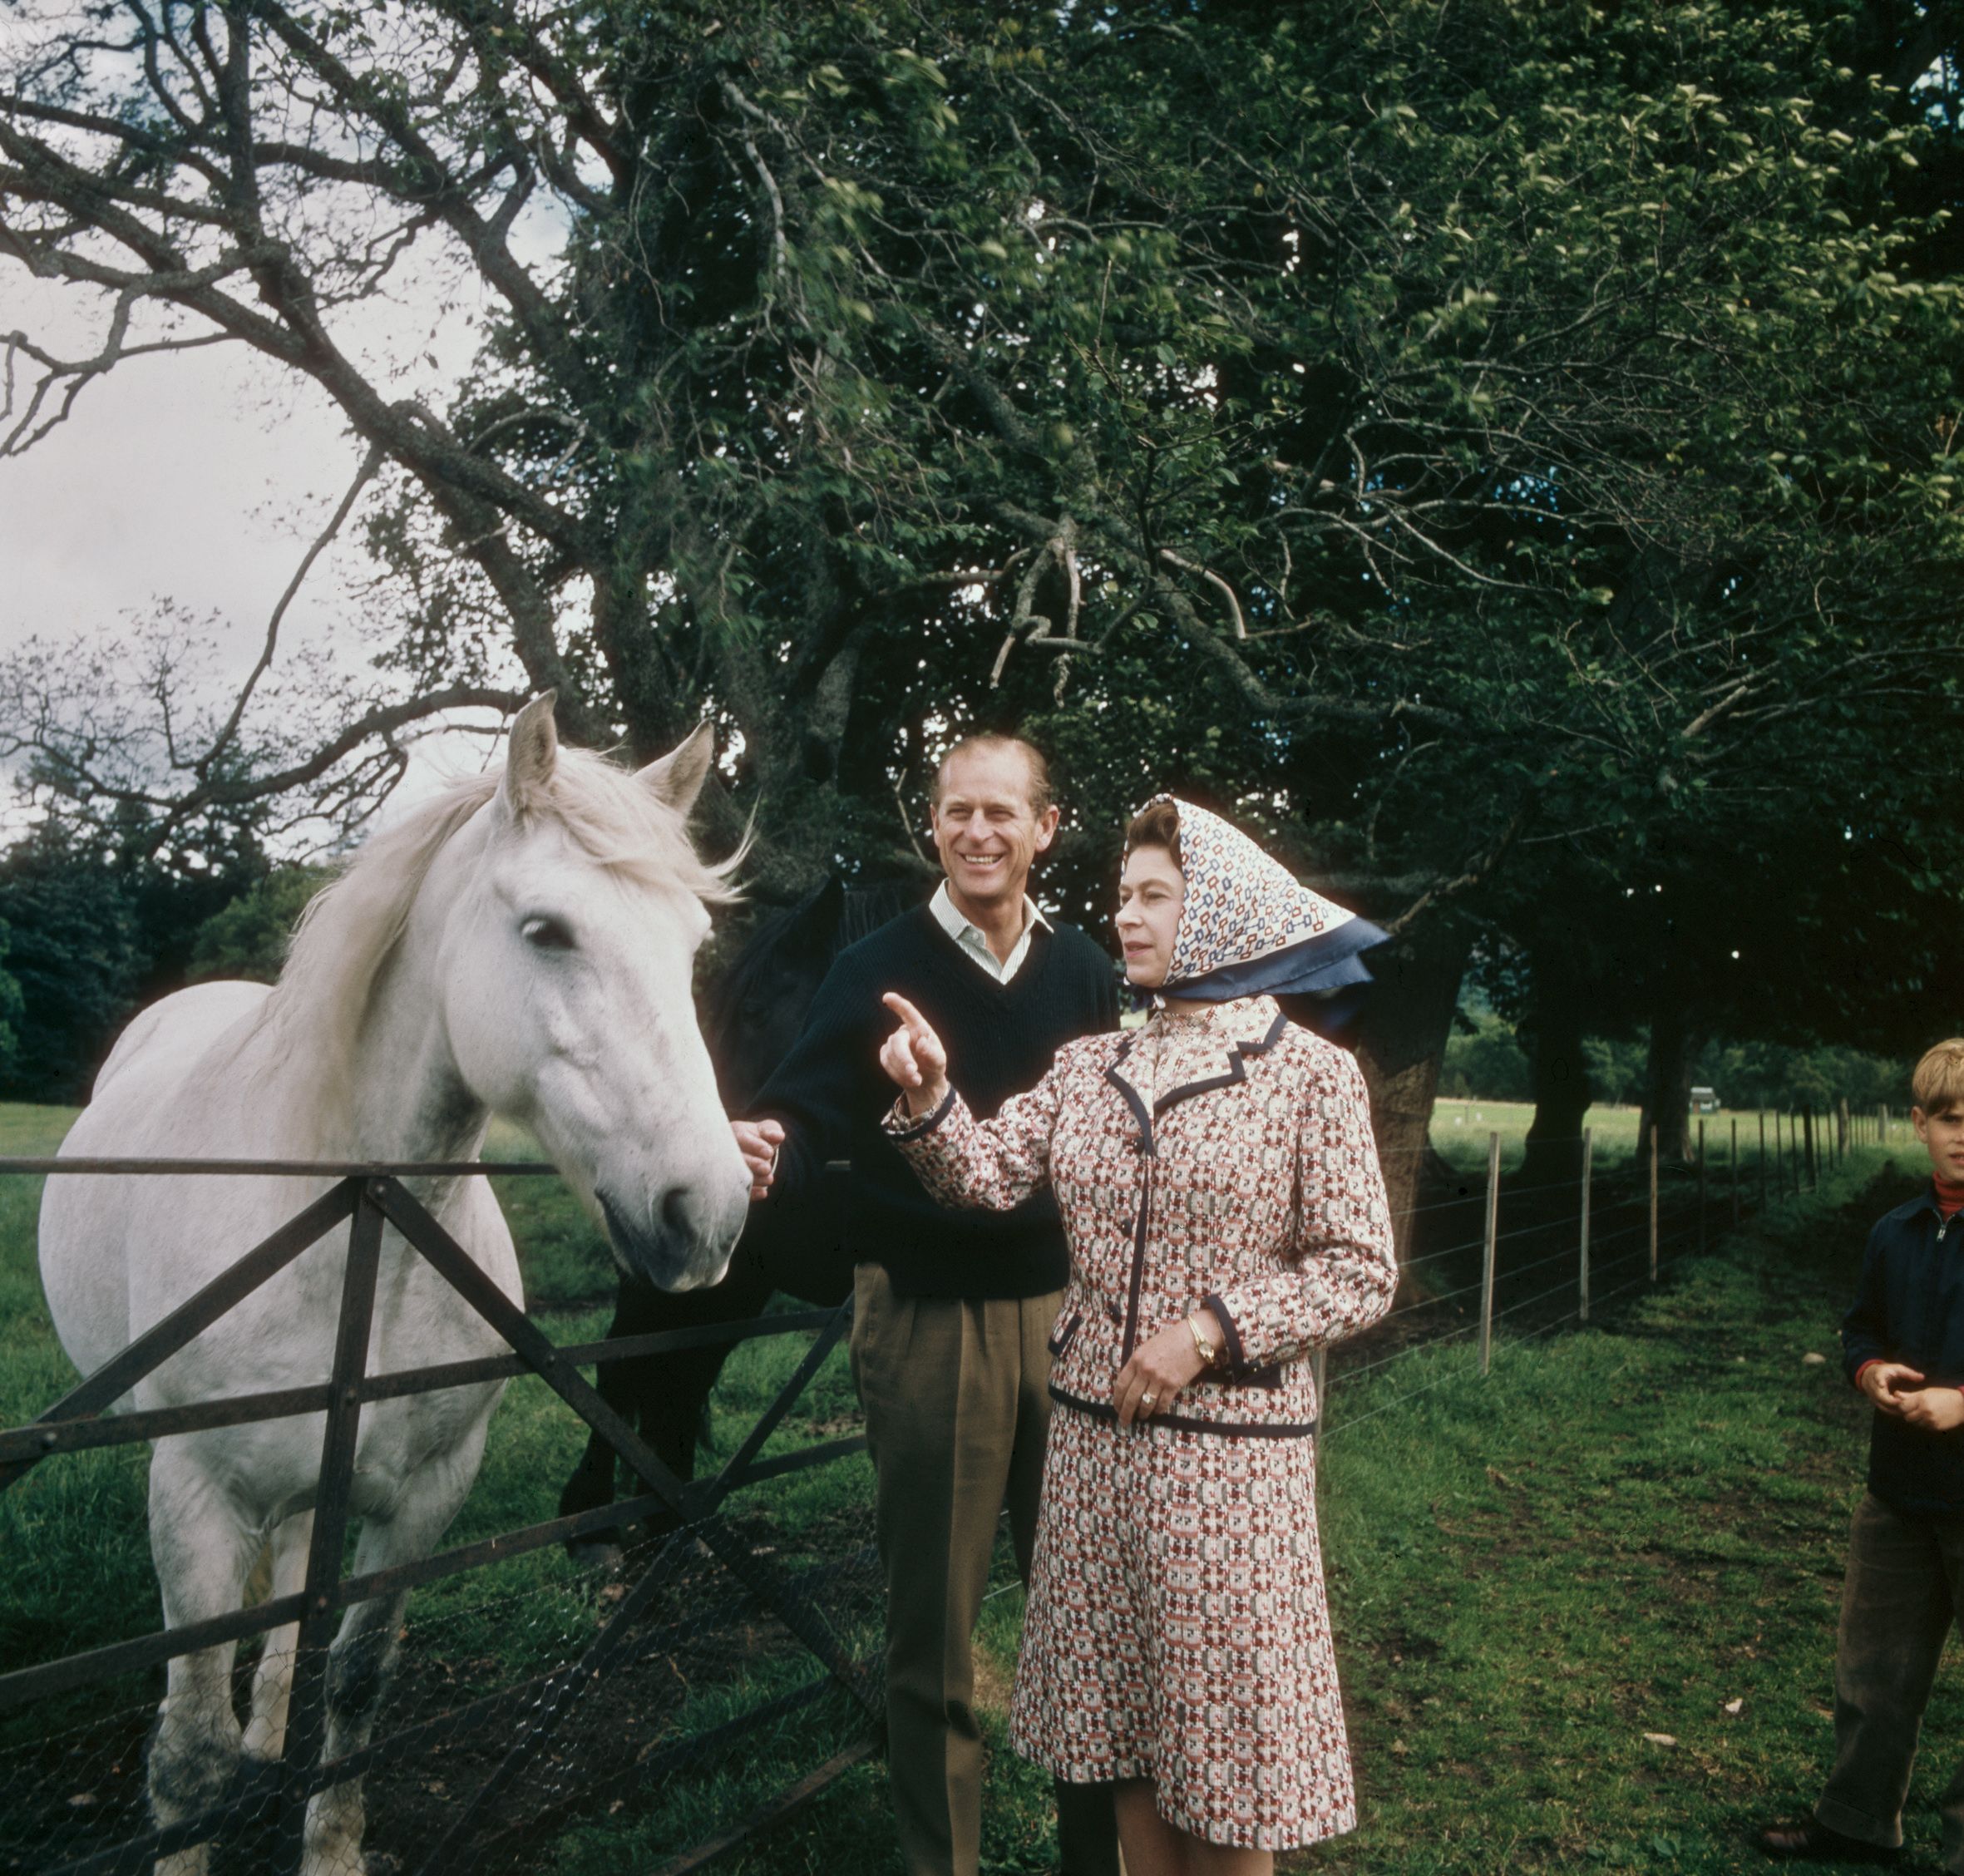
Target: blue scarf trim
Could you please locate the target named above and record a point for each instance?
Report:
(1329, 961)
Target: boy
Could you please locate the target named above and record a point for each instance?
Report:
(1902, 1345)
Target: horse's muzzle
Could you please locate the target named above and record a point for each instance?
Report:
(685, 1245)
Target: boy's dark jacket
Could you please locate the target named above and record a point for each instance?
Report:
(1909, 1308)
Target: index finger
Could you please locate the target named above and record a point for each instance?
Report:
(906, 1011)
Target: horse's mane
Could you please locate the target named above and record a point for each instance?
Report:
(869, 907)
(349, 931)
(863, 909)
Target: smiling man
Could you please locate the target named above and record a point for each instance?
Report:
(953, 1310)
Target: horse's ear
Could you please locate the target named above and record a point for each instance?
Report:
(677, 778)
(531, 752)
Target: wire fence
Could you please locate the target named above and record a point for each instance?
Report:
(536, 1699)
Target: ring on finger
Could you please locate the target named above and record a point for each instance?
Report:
(1147, 1401)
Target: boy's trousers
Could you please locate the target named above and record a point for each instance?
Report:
(957, 1403)
(1905, 1586)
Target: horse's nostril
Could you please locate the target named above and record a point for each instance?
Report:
(676, 1213)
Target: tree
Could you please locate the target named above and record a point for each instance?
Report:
(1450, 439)
(248, 938)
(75, 953)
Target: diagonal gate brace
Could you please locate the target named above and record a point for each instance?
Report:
(537, 1350)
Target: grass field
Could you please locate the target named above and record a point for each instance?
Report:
(1621, 1532)
(1460, 1131)
(1637, 1530)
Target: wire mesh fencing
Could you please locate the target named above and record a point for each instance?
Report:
(721, 1664)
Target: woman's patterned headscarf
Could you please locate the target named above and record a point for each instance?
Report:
(1249, 927)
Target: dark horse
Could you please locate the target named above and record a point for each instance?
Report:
(754, 1015)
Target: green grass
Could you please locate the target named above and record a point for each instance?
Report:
(1460, 1131)
(1619, 1532)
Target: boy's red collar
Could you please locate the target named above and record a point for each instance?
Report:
(1950, 1195)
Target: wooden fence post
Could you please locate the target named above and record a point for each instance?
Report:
(1653, 1202)
(1809, 1152)
(1701, 1183)
(1319, 1368)
(1588, 1165)
(1762, 1160)
(1735, 1171)
(1491, 1253)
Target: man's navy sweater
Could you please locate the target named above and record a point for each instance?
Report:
(1909, 1308)
(829, 1093)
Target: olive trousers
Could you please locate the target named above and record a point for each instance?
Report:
(1904, 1589)
(956, 1400)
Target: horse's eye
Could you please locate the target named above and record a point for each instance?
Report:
(546, 934)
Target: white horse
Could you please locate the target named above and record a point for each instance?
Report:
(520, 946)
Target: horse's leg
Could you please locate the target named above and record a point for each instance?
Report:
(637, 1311)
(673, 1398)
(272, 1679)
(204, 1548)
(364, 1652)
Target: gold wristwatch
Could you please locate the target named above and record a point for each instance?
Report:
(1209, 1354)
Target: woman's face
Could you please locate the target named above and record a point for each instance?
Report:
(1151, 892)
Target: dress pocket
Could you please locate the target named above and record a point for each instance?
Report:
(1268, 1377)
(1067, 1326)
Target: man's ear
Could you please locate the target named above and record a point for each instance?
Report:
(677, 778)
(531, 753)
(1047, 827)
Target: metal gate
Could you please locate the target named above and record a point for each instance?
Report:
(262, 1814)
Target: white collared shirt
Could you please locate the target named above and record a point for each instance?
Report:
(975, 943)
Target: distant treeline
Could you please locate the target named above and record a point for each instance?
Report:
(1486, 1060)
(87, 939)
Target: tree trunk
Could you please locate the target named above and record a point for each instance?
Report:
(1667, 1078)
(1400, 1038)
(1562, 1088)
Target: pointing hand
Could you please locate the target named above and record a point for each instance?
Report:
(914, 1059)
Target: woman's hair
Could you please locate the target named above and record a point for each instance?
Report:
(1156, 825)
(1938, 1083)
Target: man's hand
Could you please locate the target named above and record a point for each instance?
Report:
(1881, 1379)
(1936, 1409)
(758, 1141)
(913, 1057)
(1163, 1366)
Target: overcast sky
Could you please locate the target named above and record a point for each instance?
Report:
(200, 477)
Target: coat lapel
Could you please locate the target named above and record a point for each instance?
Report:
(1120, 1078)
(1232, 1057)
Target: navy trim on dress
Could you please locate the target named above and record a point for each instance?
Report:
(1061, 1333)
(1236, 1067)
(930, 1122)
(1186, 1423)
(1237, 1356)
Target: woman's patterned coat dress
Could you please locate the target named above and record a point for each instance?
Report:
(1176, 1627)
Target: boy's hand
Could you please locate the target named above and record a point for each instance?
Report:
(1880, 1379)
(1936, 1409)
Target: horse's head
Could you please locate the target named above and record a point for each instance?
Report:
(567, 994)
(754, 1013)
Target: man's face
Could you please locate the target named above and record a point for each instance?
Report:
(1942, 1135)
(985, 830)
